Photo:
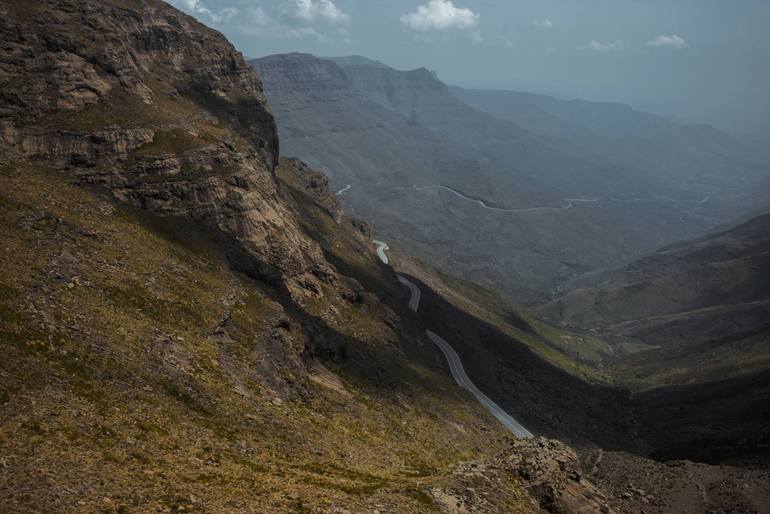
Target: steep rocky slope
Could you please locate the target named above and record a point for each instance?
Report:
(704, 302)
(689, 324)
(506, 206)
(188, 324)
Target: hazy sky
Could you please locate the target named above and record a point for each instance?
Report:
(701, 60)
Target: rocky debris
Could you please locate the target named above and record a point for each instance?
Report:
(476, 487)
(550, 471)
(546, 469)
(635, 484)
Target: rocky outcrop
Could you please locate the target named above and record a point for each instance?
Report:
(547, 470)
(159, 109)
(315, 185)
(550, 471)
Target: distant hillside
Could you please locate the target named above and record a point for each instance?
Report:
(326, 121)
(703, 307)
(505, 205)
(679, 155)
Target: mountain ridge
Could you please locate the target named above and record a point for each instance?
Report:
(450, 144)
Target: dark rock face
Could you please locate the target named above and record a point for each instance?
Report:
(161, 110)
(133, 49)
(316, 186)
(551, 473)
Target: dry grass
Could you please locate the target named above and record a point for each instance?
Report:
(118, 394)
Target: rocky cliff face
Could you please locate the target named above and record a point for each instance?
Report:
(145, 101)
(552, 474)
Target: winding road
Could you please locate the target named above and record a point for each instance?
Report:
(455, 364)
(570, 202)
(341, 191)
(381, 247)
(414, 301)
(456, 367)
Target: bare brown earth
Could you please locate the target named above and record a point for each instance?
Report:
(635, 484)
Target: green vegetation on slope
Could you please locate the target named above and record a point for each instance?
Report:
(579, 354)
(132, 351)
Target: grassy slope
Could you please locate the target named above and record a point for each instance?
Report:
(119, 393)
(579, 354)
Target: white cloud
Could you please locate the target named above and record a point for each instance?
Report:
(672, 41)
(259, 23)
(440, 15)
(543, 24)
(258, 17)
(197, 7)
(311, 11)
(605, 47)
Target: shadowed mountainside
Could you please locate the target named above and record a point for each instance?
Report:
(690, 324)
(702, 306)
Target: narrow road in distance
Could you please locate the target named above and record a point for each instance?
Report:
(341, 191)
(381, 247)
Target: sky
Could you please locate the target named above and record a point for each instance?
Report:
(699, 61)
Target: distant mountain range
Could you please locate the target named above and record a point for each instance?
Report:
(516, 191)
(191, 322)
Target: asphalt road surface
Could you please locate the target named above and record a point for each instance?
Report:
(458, 372)
(381, 247)
(341, 191)
(455, 364)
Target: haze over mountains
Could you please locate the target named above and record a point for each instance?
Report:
(514, 165)
(193, 320)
